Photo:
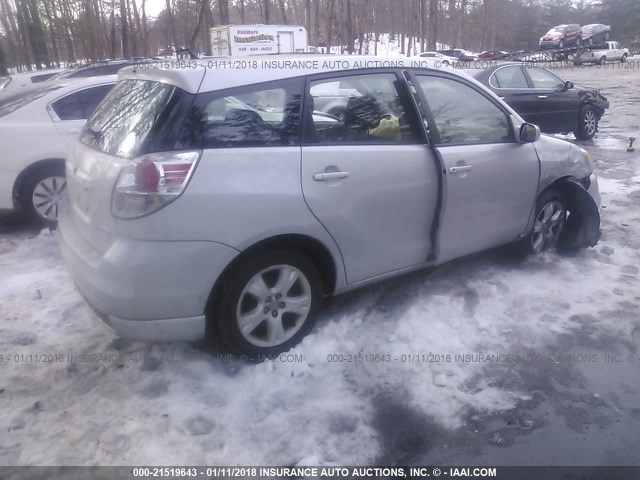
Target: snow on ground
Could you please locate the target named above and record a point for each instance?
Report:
(136, 403)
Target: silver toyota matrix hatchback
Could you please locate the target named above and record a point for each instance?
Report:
(226, 203)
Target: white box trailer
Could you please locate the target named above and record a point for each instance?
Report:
(242, 40)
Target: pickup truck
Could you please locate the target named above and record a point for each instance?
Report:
(614, 51)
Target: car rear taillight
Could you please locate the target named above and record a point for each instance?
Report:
(148, 183)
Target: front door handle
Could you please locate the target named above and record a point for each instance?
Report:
(542, 96)
(460, 168)
(324, 176)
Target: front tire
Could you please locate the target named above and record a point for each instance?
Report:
(269, 302)
(587, 123)
(624, 58)
(42, 192)
(550, 216)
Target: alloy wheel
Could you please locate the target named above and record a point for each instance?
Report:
(590, 122)
(273, 306)
(47, 195)
(548, 226)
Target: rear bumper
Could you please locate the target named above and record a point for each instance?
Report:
(142, 290)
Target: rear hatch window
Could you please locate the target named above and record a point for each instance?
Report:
(136, 117)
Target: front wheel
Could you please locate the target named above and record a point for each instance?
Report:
(624, 58)
(550, 216)
(587, 123)
(602, 60)
(269, 303)
(42, 192)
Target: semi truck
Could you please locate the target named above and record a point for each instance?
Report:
(243, 40)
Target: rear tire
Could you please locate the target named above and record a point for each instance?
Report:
(602, 60)
(624, 58)
(268, 303)
(587, 123)
(42, 192)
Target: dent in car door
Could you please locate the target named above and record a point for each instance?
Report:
(490, 181)
(369, 178)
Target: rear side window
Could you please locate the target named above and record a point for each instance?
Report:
(367, 108)
(258, 115)
(80, 105)
(508, 77)
(42, 78)
(122, 124)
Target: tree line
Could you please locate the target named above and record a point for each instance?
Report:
(36, 34)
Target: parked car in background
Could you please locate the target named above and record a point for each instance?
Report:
(460, 54)
(492, 55)
(37, 124)
(544, 99)
(562, 36)
(108, 67)
(595, 34)
(613, 51)
(236, 226)
(25, 79)
(444, 60)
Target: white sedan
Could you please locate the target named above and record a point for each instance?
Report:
(26, 79)
(37, 124)
(444, 60)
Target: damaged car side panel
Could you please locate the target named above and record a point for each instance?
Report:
(575, 179)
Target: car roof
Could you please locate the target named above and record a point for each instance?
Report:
(34, 73)
(218, 74)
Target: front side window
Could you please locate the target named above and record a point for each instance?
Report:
(245, 117)
(359, 109)
(508, 77)
(463, 115)
(542, 78)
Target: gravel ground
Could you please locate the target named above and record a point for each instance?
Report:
(571, 399)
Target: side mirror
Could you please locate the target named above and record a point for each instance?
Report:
(529, 133)
(568, 85)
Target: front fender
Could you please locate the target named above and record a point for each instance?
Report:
(582, 228)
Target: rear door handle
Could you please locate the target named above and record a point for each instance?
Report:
(324, 176)
(542, 96)
(460, 168)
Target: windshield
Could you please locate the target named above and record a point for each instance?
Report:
(124, 119)
(556, 31)
(10, 102)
